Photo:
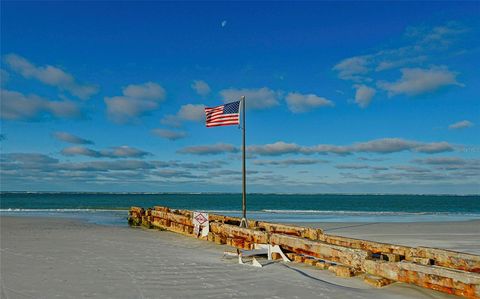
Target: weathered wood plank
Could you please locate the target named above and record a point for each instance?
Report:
(344, 255)
(231, 231)
(456, 282)
(298, 231)
(173, 217)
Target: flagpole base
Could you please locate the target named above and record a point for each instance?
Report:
(244, 222)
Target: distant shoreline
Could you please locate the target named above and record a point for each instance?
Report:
(233, 193)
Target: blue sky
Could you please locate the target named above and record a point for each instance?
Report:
(345, 97)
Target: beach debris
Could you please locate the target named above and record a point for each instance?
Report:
(342, 271)
(258, 250)
(261, 249)
(376, 281)
(254, 262)
(274, 250)
(322, 265)
(446, 271)
(135, 215)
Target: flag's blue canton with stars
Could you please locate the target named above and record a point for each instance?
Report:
(224, 115)
(231, 108)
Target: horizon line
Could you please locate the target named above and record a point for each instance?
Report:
(219, 192)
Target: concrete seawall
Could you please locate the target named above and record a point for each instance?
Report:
(379, 263)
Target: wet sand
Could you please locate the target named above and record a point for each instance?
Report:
(59, 258)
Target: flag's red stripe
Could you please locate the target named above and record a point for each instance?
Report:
(223, 119)
(222, 124)
(226, 116)
(215, 114)
(216, 107)
(213, 109)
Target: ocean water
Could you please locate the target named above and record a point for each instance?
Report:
(111, 208)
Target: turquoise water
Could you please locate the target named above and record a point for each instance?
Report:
(108, 208)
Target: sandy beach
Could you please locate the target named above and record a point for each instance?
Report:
(60, 258)
(461, 236)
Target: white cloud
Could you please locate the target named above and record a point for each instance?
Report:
(147, 91)
(392, 63)
(261, 98)
(298, 102)
(378, 146)
(289, 162)
(80, 151)
(352, 166)
(351, 68)
(422, 45)
(415, 81)
(461, 125)
(326, 149)
(201, 87)
(107, 166)
(29, 158)
(67, 137)
(423, 41)
(123, 151)
(275, 149)
(17, 106)
(189, 112)
(171, 120)
(363, 95)
(442, 161)
(438, 36)
(123, 109)
(393, 145)
(434, 147)
(50, 75)
(136, 101)
(214, 149)
(169, 134)
(224, 23)
(384, 146)
(466, 167)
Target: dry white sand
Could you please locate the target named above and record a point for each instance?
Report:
(58, 258)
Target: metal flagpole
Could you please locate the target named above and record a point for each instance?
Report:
(244, 222)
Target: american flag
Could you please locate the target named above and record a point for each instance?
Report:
(225, 115)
